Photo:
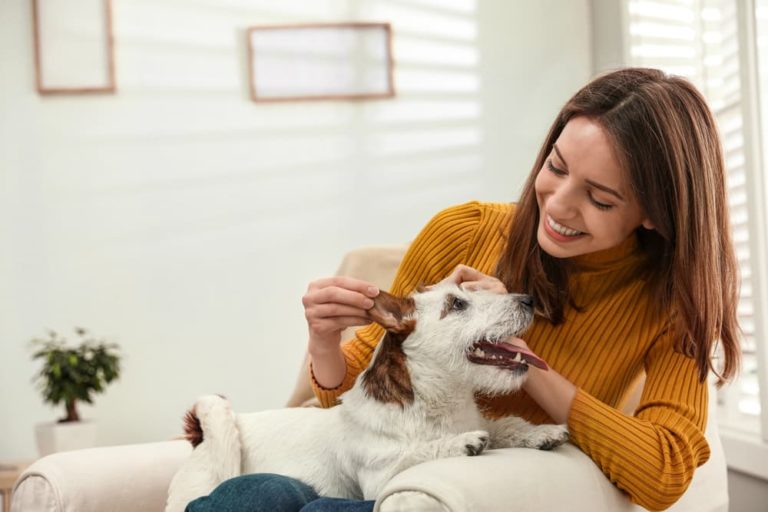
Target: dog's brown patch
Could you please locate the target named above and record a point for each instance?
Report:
(391, 312)
(387, 378)
(448, 305)
(193, 431)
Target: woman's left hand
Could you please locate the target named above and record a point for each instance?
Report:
(518, 342)
(472, 279)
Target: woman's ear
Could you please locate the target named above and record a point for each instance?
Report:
(647, 224)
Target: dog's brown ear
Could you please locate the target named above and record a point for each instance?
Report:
(391, 312)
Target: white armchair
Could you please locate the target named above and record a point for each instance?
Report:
(136, 477)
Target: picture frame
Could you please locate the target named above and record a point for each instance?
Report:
(73, 46)
(320, 61)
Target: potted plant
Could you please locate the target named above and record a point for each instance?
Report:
(70, 375)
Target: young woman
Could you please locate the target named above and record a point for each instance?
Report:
(622, 235)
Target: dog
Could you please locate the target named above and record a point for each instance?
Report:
(414, 403)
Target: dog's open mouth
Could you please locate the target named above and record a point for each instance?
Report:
(504, 355)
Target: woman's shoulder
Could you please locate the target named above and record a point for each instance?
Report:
(476, 212)
(471, 233)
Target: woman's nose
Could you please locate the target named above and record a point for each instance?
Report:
(562, 202)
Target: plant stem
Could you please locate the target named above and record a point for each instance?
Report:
(72, 414)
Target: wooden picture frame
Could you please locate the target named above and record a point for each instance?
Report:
(320, 61)
(74, 49)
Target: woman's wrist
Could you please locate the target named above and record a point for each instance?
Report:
(553, 392)
(329, 367)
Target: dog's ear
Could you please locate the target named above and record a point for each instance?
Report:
(392, 312)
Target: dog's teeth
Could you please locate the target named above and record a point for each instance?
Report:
(518, 358)
(479, 352)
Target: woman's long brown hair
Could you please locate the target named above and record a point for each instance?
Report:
(666, 139)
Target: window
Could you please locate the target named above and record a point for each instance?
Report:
(712, 42)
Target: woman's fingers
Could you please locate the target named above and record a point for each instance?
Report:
(464, 273)
(514, 340)
(332, 304)
(347, 283)
(334, 325)
(336, 295)
(338, 310)
(473, 280)
(490, 284)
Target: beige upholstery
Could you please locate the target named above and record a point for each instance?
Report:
(136, 477)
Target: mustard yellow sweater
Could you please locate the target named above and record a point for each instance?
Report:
(602, 349)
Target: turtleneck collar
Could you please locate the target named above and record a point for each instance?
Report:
(607, 258)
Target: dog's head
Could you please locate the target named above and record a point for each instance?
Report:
(450, 331)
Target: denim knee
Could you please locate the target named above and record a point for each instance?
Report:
(261, 492)
(339, 505)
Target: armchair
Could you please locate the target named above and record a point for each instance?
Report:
(136, 477)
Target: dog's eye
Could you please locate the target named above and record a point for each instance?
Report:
(459, 304)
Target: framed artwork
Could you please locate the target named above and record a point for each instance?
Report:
(74, 51)
(320, 61)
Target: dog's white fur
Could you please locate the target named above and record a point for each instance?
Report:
(353, 449)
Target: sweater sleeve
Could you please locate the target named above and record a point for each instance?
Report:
(441, 245)
(653, 454)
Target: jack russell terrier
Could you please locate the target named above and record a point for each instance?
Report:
(414, 403)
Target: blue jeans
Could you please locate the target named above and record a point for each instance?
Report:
(265, 492)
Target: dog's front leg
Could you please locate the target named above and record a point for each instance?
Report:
(458, 445)
(511, 432)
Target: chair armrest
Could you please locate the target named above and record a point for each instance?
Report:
(116, 478)
(526, 479)
(517, 478)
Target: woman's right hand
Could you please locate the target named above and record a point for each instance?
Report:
(331, 305)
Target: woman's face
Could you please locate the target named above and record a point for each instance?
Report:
(585, 203)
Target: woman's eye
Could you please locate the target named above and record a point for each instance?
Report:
(554, 169)
(459, 304)
(599, 205)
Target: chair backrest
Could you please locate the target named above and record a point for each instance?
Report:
(375, 264)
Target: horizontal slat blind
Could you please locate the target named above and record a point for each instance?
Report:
(698, 39)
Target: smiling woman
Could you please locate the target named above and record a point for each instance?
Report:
(618, 232)
(584, 201)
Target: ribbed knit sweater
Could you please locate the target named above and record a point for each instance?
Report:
(603, 348)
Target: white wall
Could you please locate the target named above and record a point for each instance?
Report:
(184, 221)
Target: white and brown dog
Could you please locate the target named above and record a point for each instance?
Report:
(414, 403)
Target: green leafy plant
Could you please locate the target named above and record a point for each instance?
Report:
(72, 374)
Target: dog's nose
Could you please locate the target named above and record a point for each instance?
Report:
(528, 301)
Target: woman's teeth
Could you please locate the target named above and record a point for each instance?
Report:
(559, 228)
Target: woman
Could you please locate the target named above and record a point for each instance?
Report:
(622, 235)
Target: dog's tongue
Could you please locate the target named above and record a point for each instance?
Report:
(529, 356)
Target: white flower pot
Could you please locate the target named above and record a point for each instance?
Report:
(62, 437)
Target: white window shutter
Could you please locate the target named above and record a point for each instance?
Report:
(698, 39)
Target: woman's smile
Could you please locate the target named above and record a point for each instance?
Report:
(560, 232)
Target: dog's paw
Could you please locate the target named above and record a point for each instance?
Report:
(472, 443)
(551, 436)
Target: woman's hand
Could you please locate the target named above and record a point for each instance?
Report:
(472, 280)
(331, 305)
(518, 342)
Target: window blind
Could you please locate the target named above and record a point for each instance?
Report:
(698, 39)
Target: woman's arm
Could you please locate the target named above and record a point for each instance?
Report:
(553, 392)
(440, 246)
(330, 306)
(652, 455)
